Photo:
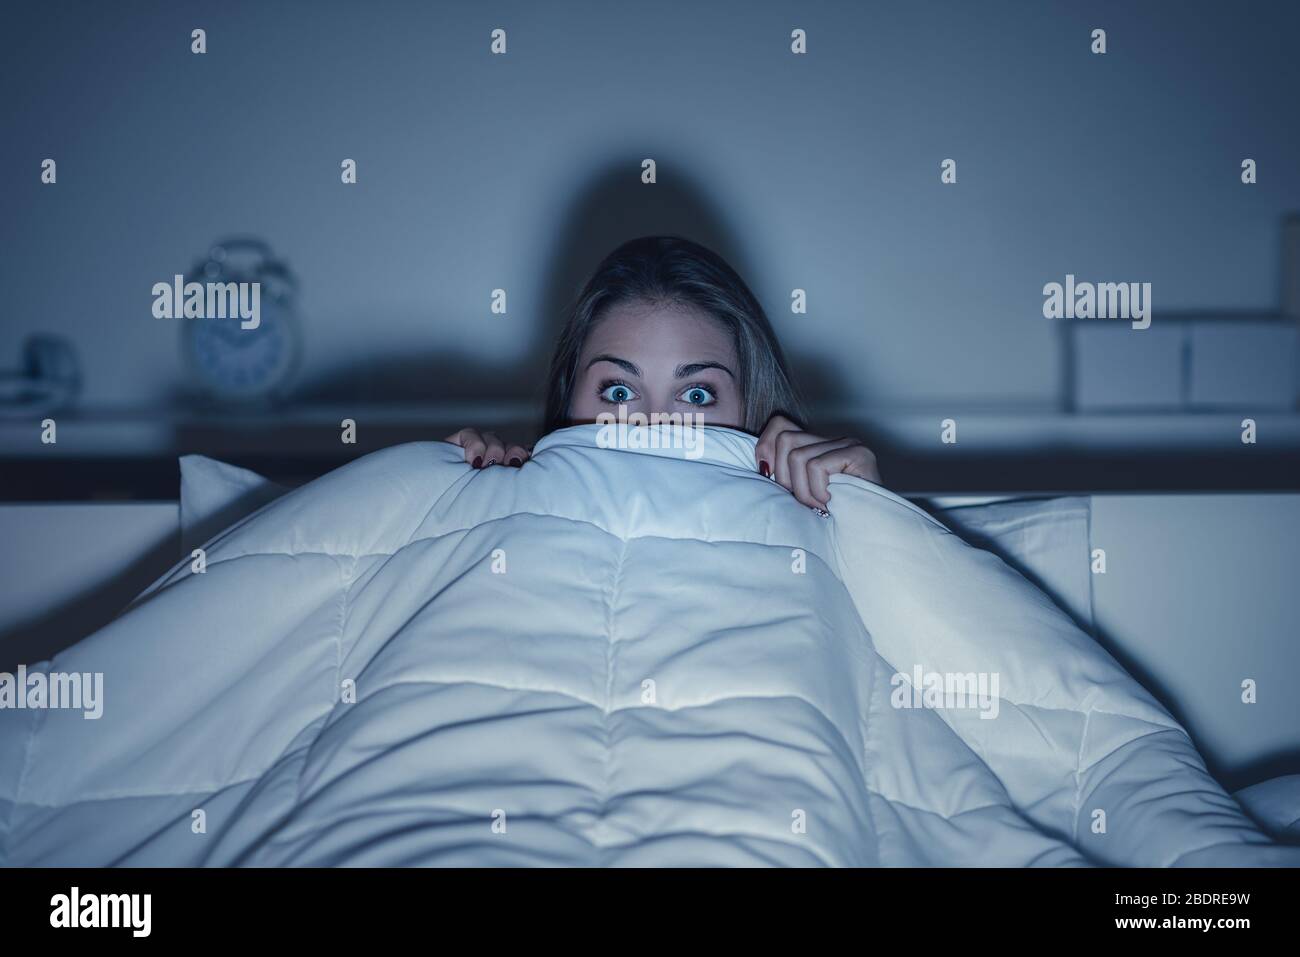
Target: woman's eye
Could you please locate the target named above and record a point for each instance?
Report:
(617, 393)
(697, 395)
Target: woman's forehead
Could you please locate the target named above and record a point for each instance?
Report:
(672, 333)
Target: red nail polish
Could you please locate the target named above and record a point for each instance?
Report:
(764, 470)
(478, 462)
(516, 461)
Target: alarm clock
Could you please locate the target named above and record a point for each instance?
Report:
(233, 362)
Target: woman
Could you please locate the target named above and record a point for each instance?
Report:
(666, 326)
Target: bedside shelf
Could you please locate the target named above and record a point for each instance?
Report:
(131, 454)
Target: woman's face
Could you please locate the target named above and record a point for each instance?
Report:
(661, 359)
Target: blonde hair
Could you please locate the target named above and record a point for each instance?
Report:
(673, 271)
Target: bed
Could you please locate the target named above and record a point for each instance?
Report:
(1078, 737)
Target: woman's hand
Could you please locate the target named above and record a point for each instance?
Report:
(804, 463)
(485, 448)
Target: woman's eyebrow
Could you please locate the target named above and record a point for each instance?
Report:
(692, 368)
(627, 366)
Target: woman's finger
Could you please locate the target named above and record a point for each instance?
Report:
(864, 465)
(494, 452)
(765, 449)
(813, 465)
(487, 448)
(471, 440)
(461, 436)
(786, 443)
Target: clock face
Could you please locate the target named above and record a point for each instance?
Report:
(240, 364)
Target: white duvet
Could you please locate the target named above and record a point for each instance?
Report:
(608, 657)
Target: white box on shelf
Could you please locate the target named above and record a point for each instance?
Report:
(1119, 368)
(1243, 364)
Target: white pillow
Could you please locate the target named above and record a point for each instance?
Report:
(215, 495)
(1046, 540)
(1274, 805)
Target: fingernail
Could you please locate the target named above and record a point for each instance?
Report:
(491, 462)
(516, 462)
(764, 470)
(477, 463)
(822, 512)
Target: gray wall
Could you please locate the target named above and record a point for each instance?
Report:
(477, 171)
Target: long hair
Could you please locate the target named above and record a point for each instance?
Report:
(673, 271)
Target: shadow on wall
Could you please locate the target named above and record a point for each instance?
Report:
(612, 208)
(42, 637)
(1277, 763)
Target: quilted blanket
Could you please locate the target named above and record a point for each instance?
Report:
(645, 654)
